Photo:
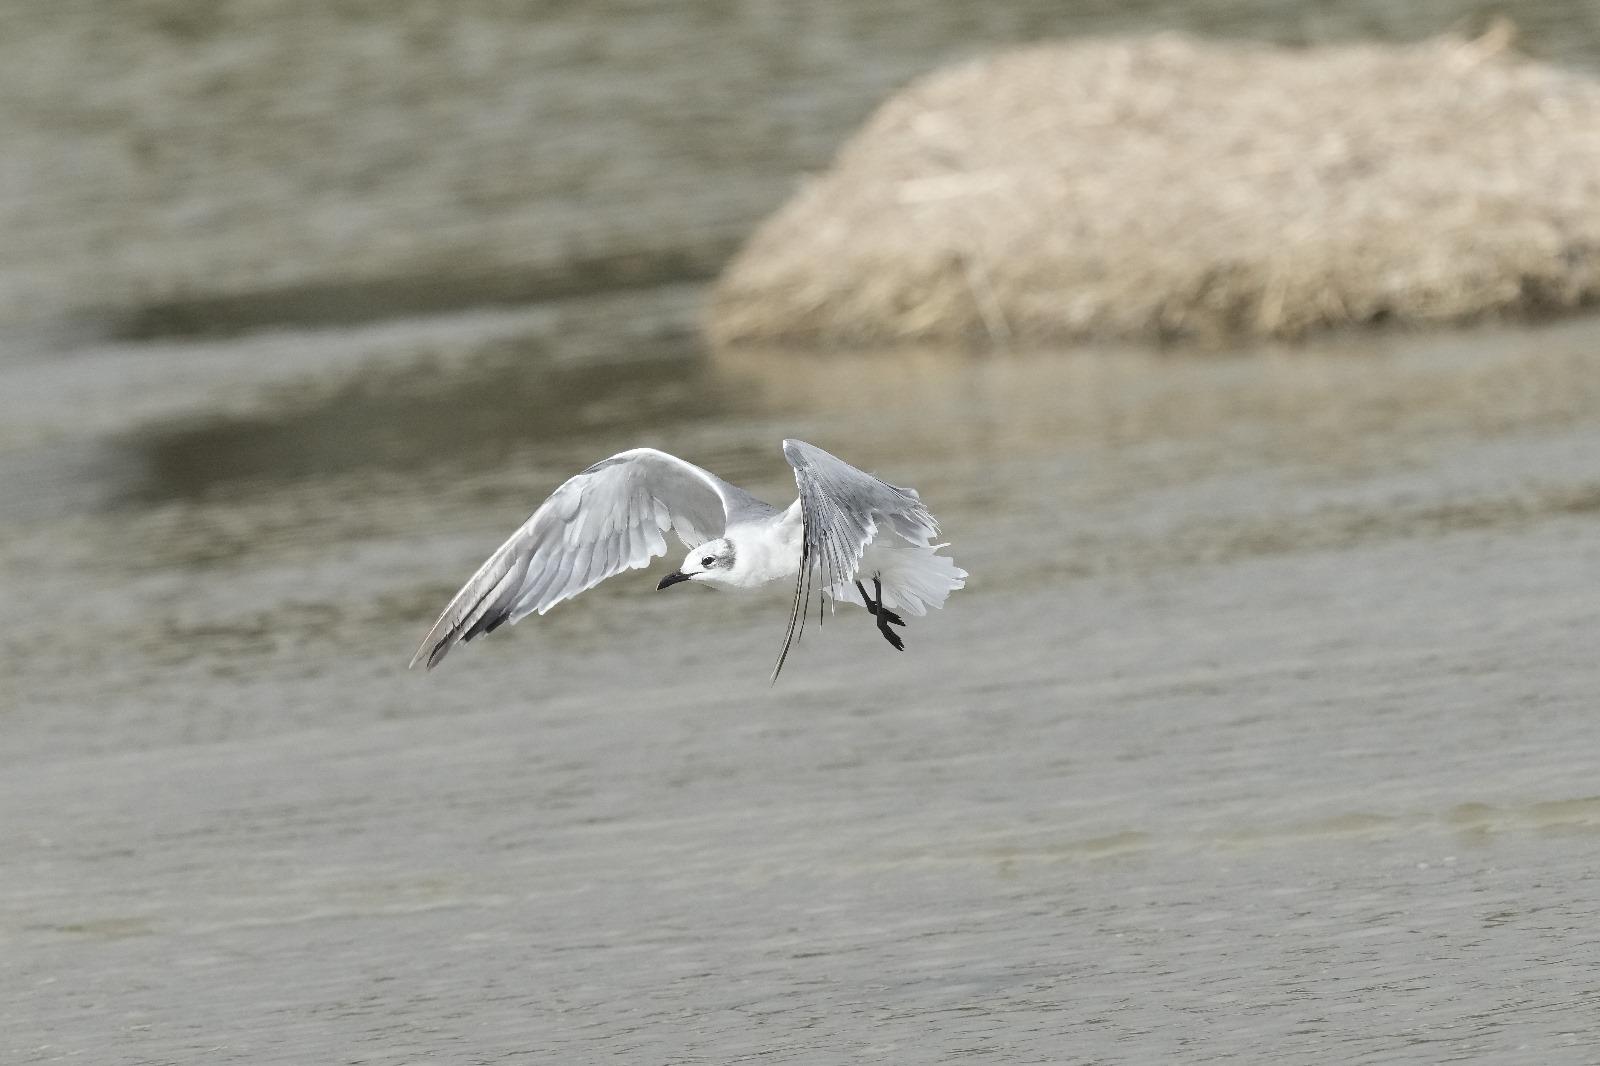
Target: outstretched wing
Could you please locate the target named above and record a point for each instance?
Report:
(608, 519)
(842, 510)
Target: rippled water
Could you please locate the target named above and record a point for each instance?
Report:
(203, 166)
(1264, 730)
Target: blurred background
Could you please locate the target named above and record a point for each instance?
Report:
(1263, 729)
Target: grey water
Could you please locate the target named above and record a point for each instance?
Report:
(1264, 731)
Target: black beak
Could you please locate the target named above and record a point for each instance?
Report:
(672, 579)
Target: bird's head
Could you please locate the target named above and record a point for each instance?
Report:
(711, 561)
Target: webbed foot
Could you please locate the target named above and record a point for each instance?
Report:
(884, 616)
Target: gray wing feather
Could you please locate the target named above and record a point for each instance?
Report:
(608, 519)
(842, 509)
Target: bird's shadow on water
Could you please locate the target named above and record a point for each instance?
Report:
(402, 419)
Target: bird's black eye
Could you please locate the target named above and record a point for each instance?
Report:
(708, 560)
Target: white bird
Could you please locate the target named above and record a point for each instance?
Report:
(845, 527)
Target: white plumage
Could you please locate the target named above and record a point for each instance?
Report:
(846, 529)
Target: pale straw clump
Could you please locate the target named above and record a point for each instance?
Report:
(1170, 189)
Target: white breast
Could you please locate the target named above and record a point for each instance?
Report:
(766, 551)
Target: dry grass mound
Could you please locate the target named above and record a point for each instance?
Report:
(1170, 189)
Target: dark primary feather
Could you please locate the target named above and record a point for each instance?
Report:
(841, 511)
(605, 520)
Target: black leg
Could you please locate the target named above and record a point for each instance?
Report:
(884, 616)
(883, 612)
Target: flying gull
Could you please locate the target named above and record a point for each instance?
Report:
(846, 528)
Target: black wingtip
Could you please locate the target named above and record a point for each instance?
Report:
(437, 655)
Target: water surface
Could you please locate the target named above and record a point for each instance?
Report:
(1264, 731)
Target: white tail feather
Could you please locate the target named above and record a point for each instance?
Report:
(914, 577)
